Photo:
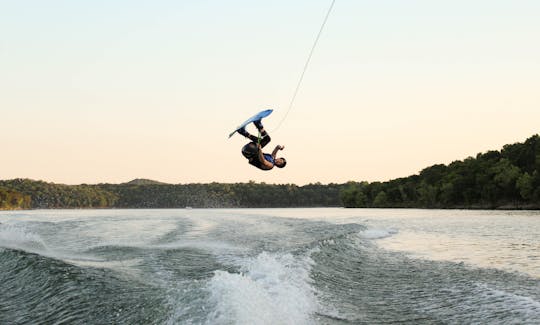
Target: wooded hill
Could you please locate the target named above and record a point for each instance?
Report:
(509, 179)
(149, 194)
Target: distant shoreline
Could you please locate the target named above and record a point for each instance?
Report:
(508, 179)
(532, 208)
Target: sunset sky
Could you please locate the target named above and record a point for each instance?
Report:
(109, 91)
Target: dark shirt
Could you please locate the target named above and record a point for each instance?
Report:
(257, 163)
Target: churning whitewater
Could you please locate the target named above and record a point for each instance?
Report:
(269, 266)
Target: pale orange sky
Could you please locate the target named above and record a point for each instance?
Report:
(116, 90)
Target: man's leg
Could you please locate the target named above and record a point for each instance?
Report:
(245, 133)
(265, 138)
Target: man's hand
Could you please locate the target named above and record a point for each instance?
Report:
(276, 149)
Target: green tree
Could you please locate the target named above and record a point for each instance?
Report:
(524, 184)
(427, 195)
(381, 200)
(505, 177)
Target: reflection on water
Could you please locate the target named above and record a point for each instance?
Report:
(483, 252)
(507, 240)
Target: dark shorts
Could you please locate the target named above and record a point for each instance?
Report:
(250, 150)
(263, 140)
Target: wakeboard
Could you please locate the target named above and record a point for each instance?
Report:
(254, 118)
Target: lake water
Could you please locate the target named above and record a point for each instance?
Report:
(269, 266)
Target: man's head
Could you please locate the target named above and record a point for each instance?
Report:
(280, 162)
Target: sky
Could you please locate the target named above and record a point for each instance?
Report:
(109, 91)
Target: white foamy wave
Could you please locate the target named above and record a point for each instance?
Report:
(272, 289)
(377, 233)
(19, 238)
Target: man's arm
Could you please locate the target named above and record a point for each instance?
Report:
(263, 161)
(276, 149)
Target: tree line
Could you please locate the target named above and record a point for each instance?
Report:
(10, 199)
(43, 195)
(509, 178)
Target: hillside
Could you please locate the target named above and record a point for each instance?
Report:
(509, 179)
(26, 193)
(144, 181)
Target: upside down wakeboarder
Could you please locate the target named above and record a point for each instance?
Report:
(253, 150)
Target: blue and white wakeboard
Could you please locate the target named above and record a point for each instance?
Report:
(254, 118)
